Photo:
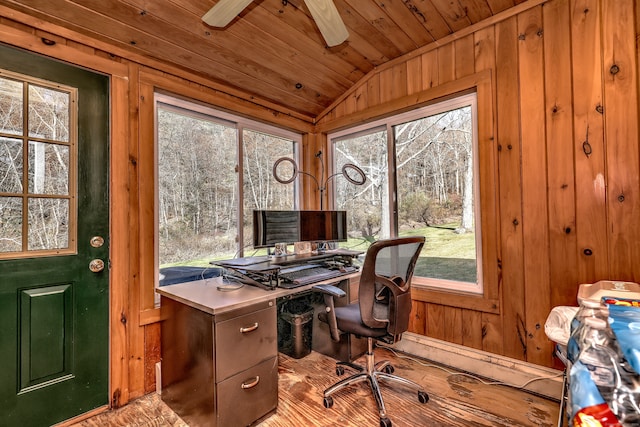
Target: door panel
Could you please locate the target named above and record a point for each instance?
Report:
(54, 314)
(46, 328)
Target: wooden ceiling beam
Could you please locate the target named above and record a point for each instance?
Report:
(505, 14)
(228, 52)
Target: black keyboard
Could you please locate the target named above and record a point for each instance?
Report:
(303, 277)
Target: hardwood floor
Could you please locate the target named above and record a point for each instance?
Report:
(455, 400)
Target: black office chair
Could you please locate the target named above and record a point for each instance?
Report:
(381, 313)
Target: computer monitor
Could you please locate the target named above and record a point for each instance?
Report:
(271, 227)
(278, 226)
(323, 226)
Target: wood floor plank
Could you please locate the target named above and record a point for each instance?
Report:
(456, 400)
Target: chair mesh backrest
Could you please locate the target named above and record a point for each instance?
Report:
(397, 260)
(385, 283)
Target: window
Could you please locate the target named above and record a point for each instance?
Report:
(421, 169)
(37, 172)
(205, 195)
(261, 190)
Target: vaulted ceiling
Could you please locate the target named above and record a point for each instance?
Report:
(273, 50)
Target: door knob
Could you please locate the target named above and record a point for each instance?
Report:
(96, 265)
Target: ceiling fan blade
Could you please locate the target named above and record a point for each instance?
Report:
(224, 11)
(328, 20)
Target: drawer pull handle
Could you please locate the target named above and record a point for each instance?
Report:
(249, 329)
(251, 384)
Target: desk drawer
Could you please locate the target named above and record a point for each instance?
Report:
(249, 395)
(244, 341)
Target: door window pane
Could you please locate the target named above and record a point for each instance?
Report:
(37, 164)
(10, 224)
(48, 113)
(48, 168)
(48, 224)
(11, 106)
(10, 165)
(366, 205)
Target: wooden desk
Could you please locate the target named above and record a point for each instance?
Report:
(205, 295)
(219, 350)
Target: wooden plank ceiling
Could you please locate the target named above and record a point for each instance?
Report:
(273, 49)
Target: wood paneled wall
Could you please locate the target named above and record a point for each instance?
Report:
(134, 324)
(561, 122)
(564, 131)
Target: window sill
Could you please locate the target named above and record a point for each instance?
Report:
(149, 316)
(477, 302)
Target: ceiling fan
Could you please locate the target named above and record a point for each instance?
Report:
(324, 12)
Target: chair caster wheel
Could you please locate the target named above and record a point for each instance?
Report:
(385, 422)
(423, 397)
(327, 402)
(389, 369)
(339, 370)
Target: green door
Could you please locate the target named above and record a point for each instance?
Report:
(54, 229)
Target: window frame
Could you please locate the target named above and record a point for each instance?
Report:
(488, 197)
(26, 195)
(389, 123)
(195, 108)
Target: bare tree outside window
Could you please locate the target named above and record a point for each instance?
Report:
(434, 164)
(261, 190)
(43, 201)
(12, 106)
(367, 205)
(433, 171)
(199, 183)
(48, 113)
(197, 192)
(10, 224)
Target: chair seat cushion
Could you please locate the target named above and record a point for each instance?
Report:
(349, 320)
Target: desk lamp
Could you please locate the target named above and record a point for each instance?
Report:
(350, 172)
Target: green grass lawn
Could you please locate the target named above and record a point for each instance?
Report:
(446, 254)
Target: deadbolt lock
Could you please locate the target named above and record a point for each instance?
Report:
(97, 241)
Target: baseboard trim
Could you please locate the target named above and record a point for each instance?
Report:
(533, 378)
(82, 417)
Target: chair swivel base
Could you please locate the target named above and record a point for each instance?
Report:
(372, 373)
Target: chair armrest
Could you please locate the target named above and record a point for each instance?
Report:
(399, 304)
(387, 284)
(329, 316)
(330, 290)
